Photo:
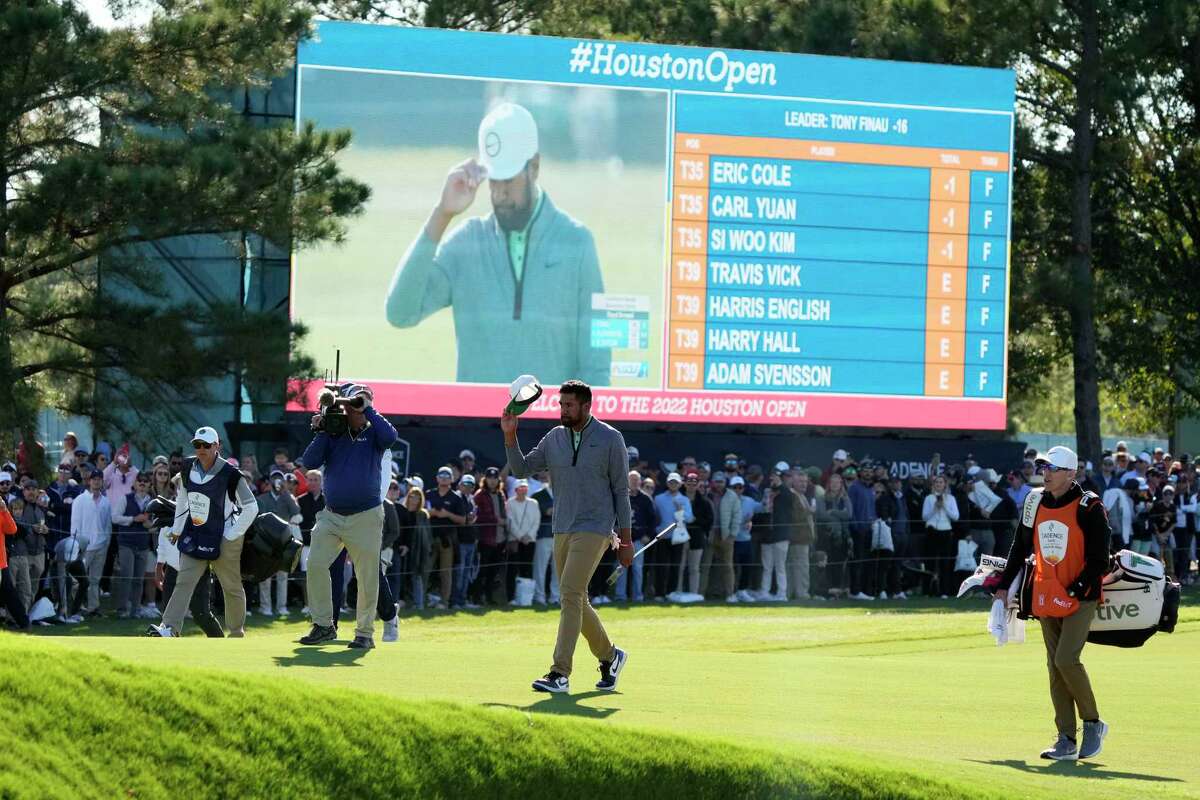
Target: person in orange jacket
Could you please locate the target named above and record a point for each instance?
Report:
(8, 589)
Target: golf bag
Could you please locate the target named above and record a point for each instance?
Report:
(1137, 599)
(269, 546)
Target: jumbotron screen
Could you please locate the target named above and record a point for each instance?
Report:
(702, 235)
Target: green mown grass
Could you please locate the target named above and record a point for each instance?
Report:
(84, 725)
(842, 700)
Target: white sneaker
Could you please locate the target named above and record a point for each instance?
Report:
(74, 619)
(163, 631)
(883, 596)
(900, 596)
(733, 598)
(266, 612)
(745, 596)
(776, 598)
(391, 630)
(861, 596)
(304, 611)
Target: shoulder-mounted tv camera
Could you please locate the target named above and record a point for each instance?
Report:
(334, 403)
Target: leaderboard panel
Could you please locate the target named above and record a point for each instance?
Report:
(844, 250)
(709, 236)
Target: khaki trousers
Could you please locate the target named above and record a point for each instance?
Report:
(228, 569)
(577, 555)
(93, 562)
(1069, 684)
(362, 536)
(26, 572)
(797, 562)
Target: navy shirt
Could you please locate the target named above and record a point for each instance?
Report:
(352, 465)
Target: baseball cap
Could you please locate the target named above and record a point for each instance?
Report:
(1169, 488)
(1130, 483)
(291, 478)
(416, 482)
(508, 138)
(492, 472)
(468, 479)
(693, 474)
(974, 470)
(445, 471)
(82, 451)
(467, 454)
(1144, 456)
(737, 480)
(206, 435)
(633, 453)
(522, 482)
(1060, 457)
(782, 466)
(717, 477)
(674, 476)
(5, 476)
(840, 455)
(850, 470)
(275, 473)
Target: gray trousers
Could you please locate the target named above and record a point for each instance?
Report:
(26, 572)
(93, 562)
(228, 569)
(131, 573)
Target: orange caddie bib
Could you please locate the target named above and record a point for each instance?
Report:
(1059, 550)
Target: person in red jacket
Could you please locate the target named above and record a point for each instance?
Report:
(490, 526)
(8, 589)
(1066, 530)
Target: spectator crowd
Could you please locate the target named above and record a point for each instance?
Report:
(472, 536)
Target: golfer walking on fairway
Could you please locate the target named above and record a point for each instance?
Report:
(1066, 529)
(588, 467)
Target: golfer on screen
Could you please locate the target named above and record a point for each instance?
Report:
(524, 274)
(588, 467)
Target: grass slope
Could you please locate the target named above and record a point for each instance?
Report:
(82, 725)
(914, 688)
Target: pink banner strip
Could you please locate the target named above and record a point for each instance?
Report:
(650, 405)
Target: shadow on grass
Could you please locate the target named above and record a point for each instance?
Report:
(322, 656)
(1083, 769)
(562, 704)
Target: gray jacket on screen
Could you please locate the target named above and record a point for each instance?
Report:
(591, 487)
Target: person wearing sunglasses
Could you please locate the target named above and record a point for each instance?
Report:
(216, 507)
(1066, 530)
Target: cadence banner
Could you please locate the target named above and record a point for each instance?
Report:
(702, 235)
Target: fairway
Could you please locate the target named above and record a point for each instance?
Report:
(918, 688)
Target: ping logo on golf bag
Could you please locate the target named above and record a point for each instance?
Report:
(1052, 536)
(1112, 611)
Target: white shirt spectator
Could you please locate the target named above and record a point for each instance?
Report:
(524, 517)
(940, 518)
(1185, 506)
(91, 519)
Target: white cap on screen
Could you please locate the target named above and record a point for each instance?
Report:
(508, 138)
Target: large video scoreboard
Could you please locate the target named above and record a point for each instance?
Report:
(781, 239)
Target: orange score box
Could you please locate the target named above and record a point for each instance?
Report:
(689, 238)
(946, 283)
(687, 271)
(950, 184)
(685, 372)
(691, 203)
(936, 158)
(685, 338)
(945, 348)
(945, 316)
(943, 380)
(948, 217)
(691, 170)
(687, 305)
(947, 250)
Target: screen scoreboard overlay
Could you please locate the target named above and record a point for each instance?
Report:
(806, 240)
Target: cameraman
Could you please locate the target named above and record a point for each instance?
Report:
(353, 515)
